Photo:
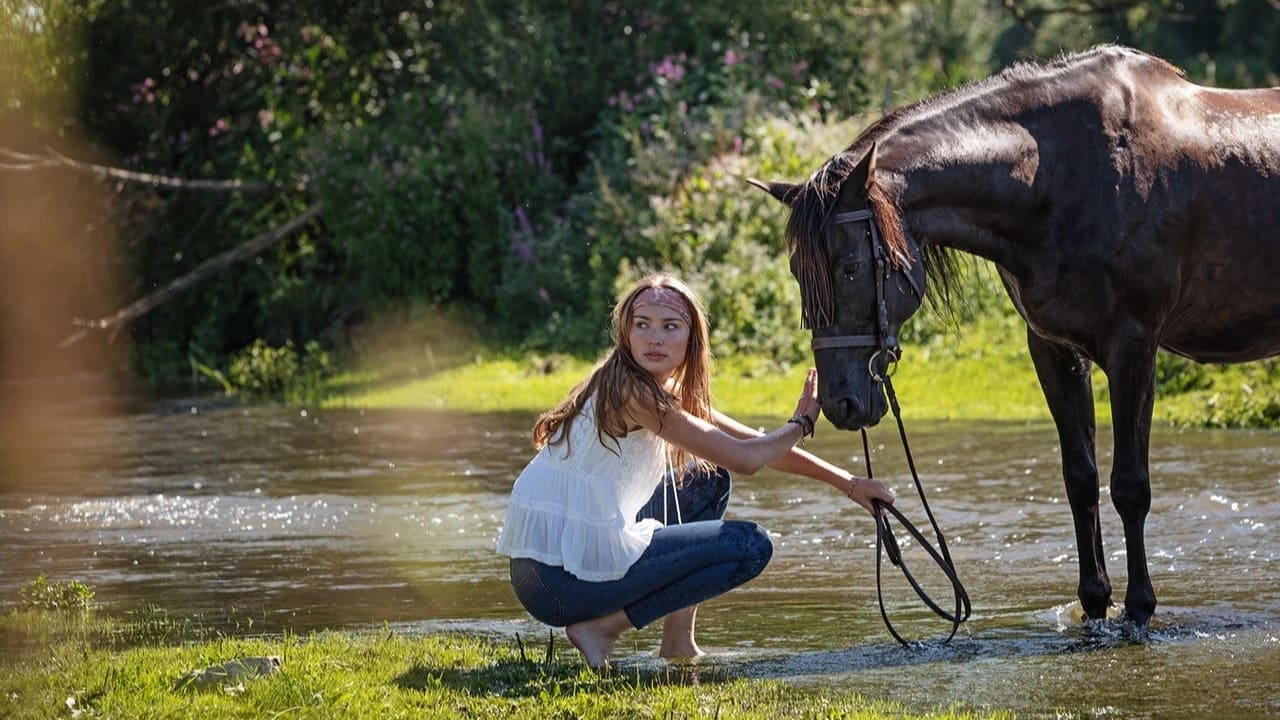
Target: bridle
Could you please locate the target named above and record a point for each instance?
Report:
(885, 343)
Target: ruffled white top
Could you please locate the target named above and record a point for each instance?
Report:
(574, 505)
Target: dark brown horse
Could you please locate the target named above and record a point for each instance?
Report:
(1127, 210)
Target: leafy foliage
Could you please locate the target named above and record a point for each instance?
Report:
(40, 594)
(264, 371)
(518, 160)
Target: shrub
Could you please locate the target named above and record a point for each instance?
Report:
(40, 594)
(262, 370)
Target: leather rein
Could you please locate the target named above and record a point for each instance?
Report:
(886, 346)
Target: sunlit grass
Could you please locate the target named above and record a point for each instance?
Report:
(380, 675)
(486, 383)
(983, 373)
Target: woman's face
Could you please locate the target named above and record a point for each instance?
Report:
(659, 338)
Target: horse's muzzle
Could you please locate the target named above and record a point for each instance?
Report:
(847, 412)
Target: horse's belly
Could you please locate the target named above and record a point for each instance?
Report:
(1228, 302)
(1224, 336)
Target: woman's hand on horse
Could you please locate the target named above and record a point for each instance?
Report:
(808, 403)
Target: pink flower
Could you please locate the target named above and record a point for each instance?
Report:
(668, 70)
(525, 226)
(523, 252)
(142, 91)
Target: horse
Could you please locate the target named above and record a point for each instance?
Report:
(1126, 210)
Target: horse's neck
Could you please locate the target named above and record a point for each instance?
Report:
(972, 192)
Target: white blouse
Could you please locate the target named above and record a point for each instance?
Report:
(575, 505)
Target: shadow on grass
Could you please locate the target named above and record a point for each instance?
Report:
(526, 677)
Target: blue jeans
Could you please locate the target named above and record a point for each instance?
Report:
(685, 563)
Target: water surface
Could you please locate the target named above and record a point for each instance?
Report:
(344, 519)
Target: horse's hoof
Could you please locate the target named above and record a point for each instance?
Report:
(1134, 630)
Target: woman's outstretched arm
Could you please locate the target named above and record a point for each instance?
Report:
(799, 462)
(739, 452)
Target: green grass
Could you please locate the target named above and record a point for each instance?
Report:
(984, 373)
(81, 666)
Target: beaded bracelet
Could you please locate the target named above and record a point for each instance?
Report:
(806, 425)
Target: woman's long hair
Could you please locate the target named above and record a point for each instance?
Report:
(618, 378)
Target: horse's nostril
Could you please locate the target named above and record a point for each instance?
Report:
(843, 411)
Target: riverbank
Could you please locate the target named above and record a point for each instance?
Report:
(79, 665)
(981, 371)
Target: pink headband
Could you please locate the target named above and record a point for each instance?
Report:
(662, 297)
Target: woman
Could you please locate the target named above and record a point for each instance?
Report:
(596, 546)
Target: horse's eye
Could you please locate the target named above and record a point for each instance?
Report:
(851, 269)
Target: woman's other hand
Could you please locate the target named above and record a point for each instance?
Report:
(864, 490)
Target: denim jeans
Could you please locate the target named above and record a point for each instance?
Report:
(685, 564)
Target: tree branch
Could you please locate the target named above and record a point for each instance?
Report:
(27, 161)
(1020, 16)
(209, 267)
(1085, 7)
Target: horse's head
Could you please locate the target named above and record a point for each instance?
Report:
(860, 278)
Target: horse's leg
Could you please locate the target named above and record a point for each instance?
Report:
(1068, 389)
(1131, 376)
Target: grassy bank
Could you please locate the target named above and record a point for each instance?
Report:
(981, 372)
(78, 665)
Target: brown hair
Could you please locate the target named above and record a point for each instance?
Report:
(617, 379)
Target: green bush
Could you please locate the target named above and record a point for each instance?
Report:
(519, 160)
(40, 594)
(262, 370)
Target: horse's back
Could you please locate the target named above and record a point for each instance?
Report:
(1184, 207)
(1214, 195)
(1186, 210)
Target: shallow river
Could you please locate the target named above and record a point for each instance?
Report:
(273, 519)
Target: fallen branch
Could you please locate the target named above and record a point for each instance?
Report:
(209, 267)
(20, 161)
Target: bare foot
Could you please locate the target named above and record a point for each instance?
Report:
(595, 638)
(680, 651)
(677, 636)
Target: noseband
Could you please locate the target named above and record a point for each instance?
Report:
(884, 341)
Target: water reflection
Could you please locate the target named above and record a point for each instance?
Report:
(307, 520)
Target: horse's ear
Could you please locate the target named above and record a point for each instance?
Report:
(871, 167)
(863, 175)
(784, 192)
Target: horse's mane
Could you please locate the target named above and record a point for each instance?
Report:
(807, 232)
(807, 229)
